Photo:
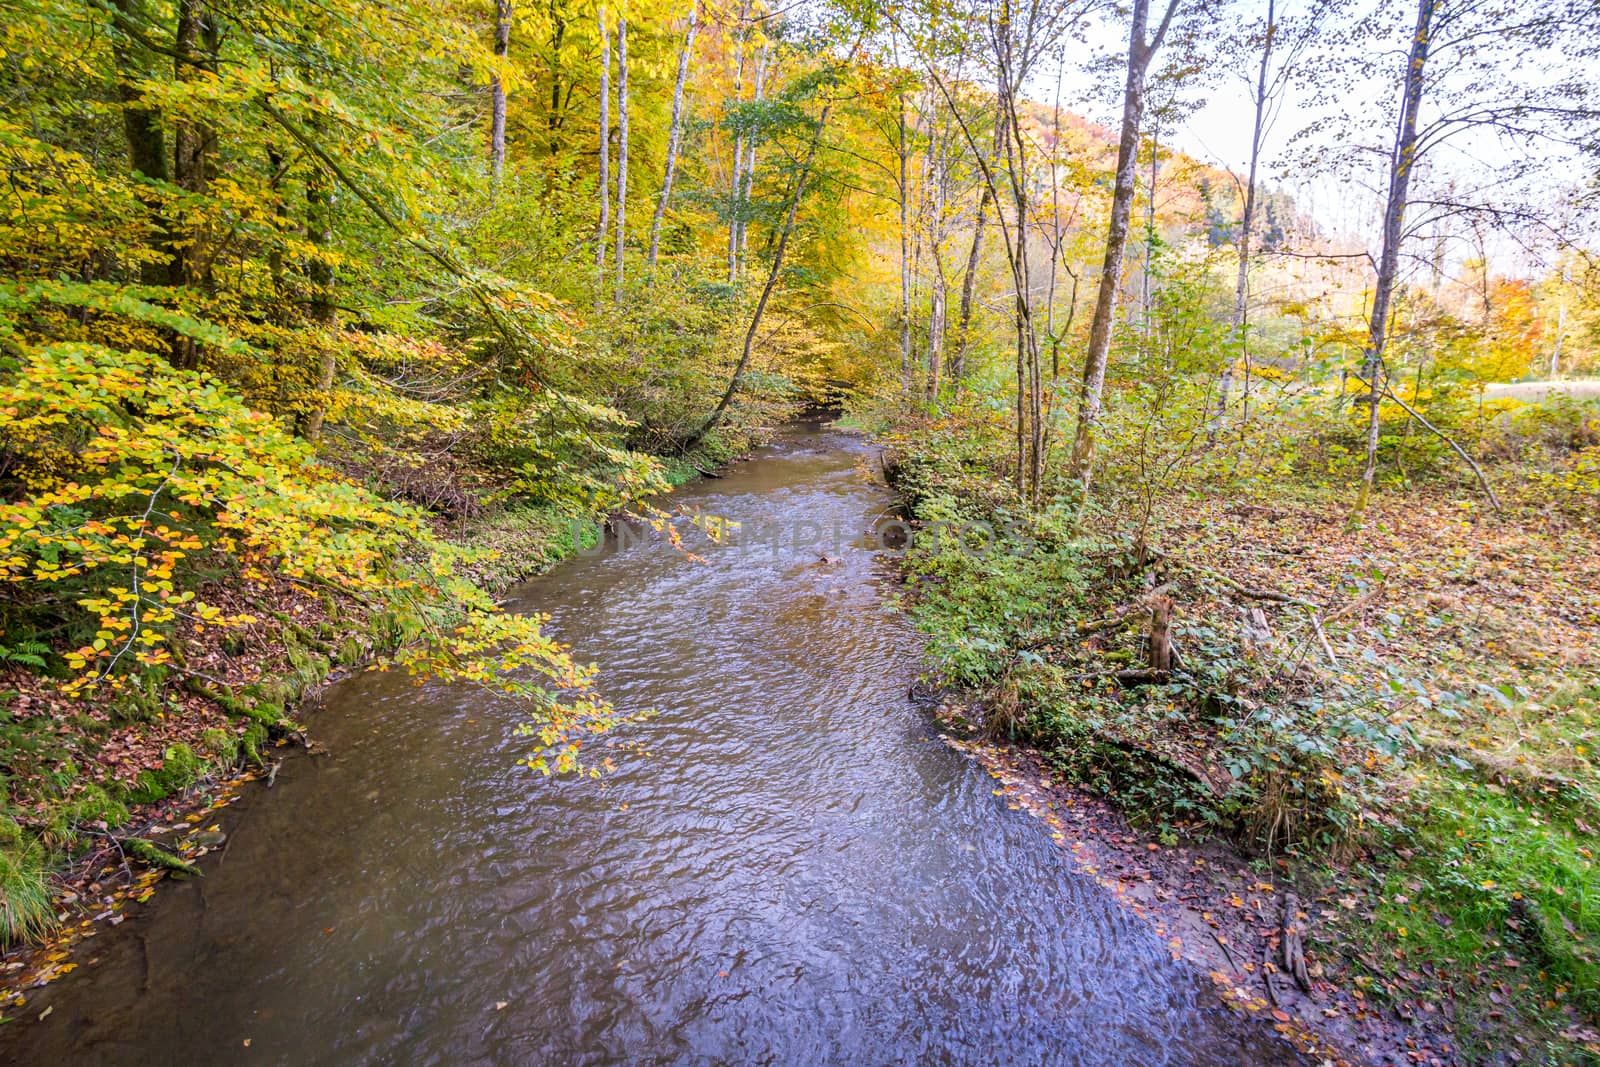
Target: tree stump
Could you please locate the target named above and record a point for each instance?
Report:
(1161, 635)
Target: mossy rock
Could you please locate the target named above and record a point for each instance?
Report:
(266, 712)
(271, 690)
(351, 651)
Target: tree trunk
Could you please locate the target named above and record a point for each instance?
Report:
(736, 186)
(939, 295)
(1561, 320)
(905, 251)
(319, 273)
(1400, 167)
(773, 275)
(1145, 294)
(554, 117)
(1161, 635)
(146, 137)
(969, 282)
(675, 132)
(622, 145)
(497, 91)
(194, 150)
(605, 143)
(1241, 288)
(749, 178)
(1140, 53)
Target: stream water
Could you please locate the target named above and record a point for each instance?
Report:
(797, 872)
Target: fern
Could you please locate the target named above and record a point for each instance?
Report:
(26, 653)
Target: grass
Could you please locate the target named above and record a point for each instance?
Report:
(25, 902)
(1533, 392)
(1498, 895)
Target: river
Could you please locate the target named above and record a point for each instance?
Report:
(796, 871)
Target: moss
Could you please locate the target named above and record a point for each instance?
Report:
(351, 651)
(156, 856)
(255, 735)
(524, 541)
(142, 697)
(180, 767)
(267, 712)
(222, 745)
(271, 690)
(94, 804)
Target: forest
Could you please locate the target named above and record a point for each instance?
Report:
(1236, 362)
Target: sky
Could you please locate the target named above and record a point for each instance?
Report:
(1346, 202)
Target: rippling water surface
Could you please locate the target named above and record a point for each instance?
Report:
(796, 873)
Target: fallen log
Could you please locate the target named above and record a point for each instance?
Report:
(156, 856)
(1293, 943)
(1258, 594)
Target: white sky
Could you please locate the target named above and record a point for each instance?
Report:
(1218, 132)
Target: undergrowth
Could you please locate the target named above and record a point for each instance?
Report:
(1403, 710)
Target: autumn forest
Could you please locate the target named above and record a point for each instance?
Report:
(1228, 370)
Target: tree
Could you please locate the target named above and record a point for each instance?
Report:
(802, 176)
(1140, 52)
(748, 171)
(1455, 56)
(622, 143)
(605, 137)
(674, 132)
(497, 90)
(969, 278)
(145, 133)
(903, 191)
(1271, 81)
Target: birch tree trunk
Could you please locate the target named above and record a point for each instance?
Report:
(749, 179)
(1140, 53)
(622, 145)
(939, 295)
(905, 251)
(605, 143)
(1400, 167)
(736, 186)
(675, 133)
(497, 92)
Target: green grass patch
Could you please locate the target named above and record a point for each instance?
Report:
(1499, 894)
(25, 911)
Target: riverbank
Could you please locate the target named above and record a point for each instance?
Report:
(794, 869)
(106, 798)
(1389, 721)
